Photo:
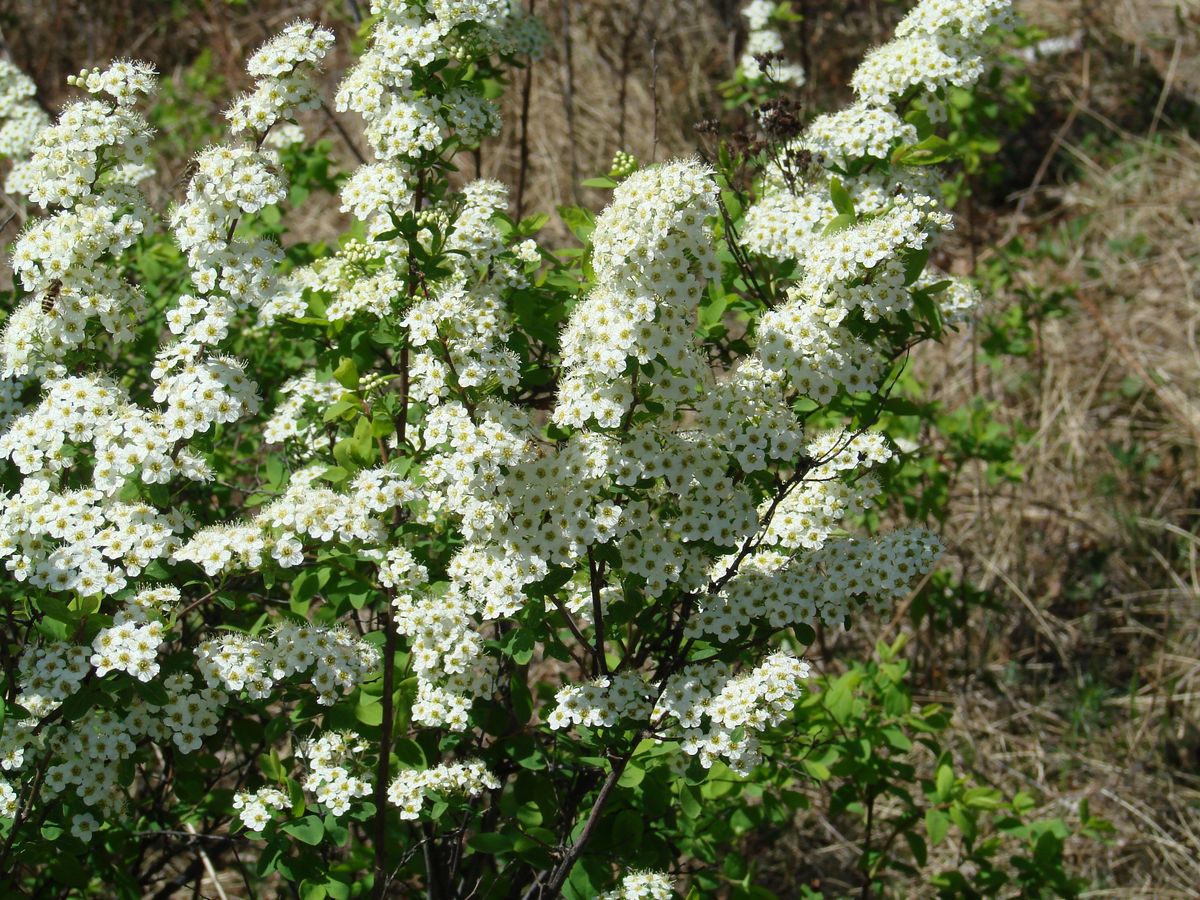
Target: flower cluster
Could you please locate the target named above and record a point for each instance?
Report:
(238, 662)
(860, 130)
(254, 807)
(88, 750)
(602, 703)
(653, 255)
(779, 563)
(85, 539)
(283, 68)
(330, 760)
(718, 714)
(60, 261)
(461, 327)
(938, 44)
(860, 267)
(21, 121)
(49, 675)
(189, 716)
(95, 141)
(91, 751)
(408, 789)
(304, 396)
(643, 886)
(77, 540)
(131, 644)
(8, 800)
(762, 56)
(403, 123)
(305, 511)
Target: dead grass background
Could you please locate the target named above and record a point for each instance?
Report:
(1085, 682)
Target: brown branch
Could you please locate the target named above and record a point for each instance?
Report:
(559, 875)
(23, 813)
(570, 620)
(595, 578)
(383, 768)
(342, 132)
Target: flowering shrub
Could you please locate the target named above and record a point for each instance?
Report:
(454, 556)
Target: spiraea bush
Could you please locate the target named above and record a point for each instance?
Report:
(438, 560)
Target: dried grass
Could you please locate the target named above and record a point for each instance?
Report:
(1085, 684)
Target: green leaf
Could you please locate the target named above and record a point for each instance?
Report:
(842, 201)
(964, 820)
(346, 374)
(382, 426)
(490, 843)
(533, 224)
(898, 406)
(309, 830)
(153, 692)
(579, 220)
(409, 753)
(917, 845)
(914, 264)
(937, 824)
(839, 700)
(733, 204)
(369, 713)
(522, 699)
(335, 474)
(711, 313)
(817, 770)
(928, 152)
(734, 866)
(840, 223)
(335, 831)
(945, 782)
(529, 814)
(1023, 802)
(522, 646)
(982, 798)
(340, 409)
(1048, 850)
(632, 776)
(928, 311)
(689, 802)
(271, 766)
(897, 739)
(627, 828)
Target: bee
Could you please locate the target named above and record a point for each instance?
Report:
(184, 177)
(51, 296)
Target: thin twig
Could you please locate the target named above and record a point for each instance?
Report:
(208, 866)
(343, 133)
(1168, 82)
(1052, 150)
